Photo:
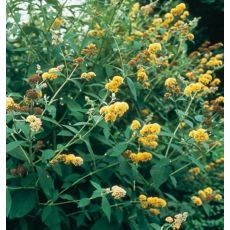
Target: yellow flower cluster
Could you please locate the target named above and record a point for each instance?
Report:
(90, 49)
(114, 84)
(205, 79)
(113, 111)
(215, 82)
(177, 221)
(178, 10)
(117, 192)
(134, 10)
(153, 203)
(35, 123)
(193, 88)
(52, 73)
(215, 61)
(135, 125)
(153, 48)
(205, 195)
(147, 9)
(67, 159)
(196, 200)
(141, 74)
(171, 84)
(214, 164)
(10, 104)
(149, 135)
(199, 135)
(219, 99)
(88, 76)
(97, 31)
(58, 22)
(140, 157)
(195, 171)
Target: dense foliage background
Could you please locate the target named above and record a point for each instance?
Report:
(114, 116)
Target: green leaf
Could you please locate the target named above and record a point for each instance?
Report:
(72, 129)
(65, 133)
(13, 145)
(83, 202)
(118, 149)
(106, 207)
(180, 113)
(174, 181)
(52, 217)
(8, 202)
(23, 201)
(199, 118)
(132, 88)
(95, 185)
(46, 182)
(24, 127)
(197, 163)
(15, 151)
(155, 226)
(47, 154)
(189, 123)
(52, 110)
(51, 121)
(159, 175)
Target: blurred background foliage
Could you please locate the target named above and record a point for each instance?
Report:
(211, 25)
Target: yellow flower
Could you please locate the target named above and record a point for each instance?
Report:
(58, 22)
(113, 111)
(219, 99)
(135, 8)
(114, 84)
(35, 123)
(179, 9)
(10, 104)
(142, 197)
(182, 125)
(208, 191)
(193, 88)
(141, 75)
(67, 159)
(214, 62)
(190, 36)
(170, 83)
(184, 15)
(155, 211)
(156, 202)
(150, 129)
(196, 200)
(205, 79)
(199, 135)
(135, 125)
(140, 157)
(217, 197)
(194, 171)
(202, 195)
(88, 76)
(153, 48)
(51, 74)
(215, 82)
(169, 219)
(118, 192)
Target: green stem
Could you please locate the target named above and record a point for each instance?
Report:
(59, 89)
(24, 152)
(178, 126)
(84, 177)
(198, 158)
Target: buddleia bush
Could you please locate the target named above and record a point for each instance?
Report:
(111, 122)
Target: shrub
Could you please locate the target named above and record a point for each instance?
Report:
(111, 123)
